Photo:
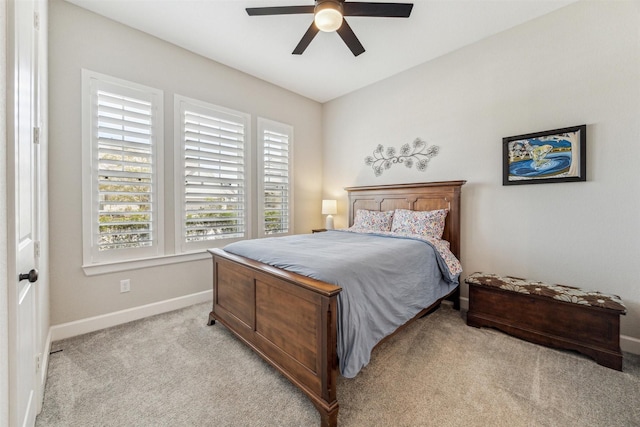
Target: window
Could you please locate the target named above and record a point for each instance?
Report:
(215, 190)
(212, 175)
(275, 145)
(122, 147)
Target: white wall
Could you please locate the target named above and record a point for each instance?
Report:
(80, 39)
(579, 65)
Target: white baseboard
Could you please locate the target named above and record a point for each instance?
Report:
(627, 343)
(91, 324)
(630, 344)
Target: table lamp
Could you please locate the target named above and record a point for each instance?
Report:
(329, 208)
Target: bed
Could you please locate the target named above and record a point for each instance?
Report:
(291, 320)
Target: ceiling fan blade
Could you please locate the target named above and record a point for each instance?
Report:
(306, 39)
(349, 37)
(279, 10)
(383, 10)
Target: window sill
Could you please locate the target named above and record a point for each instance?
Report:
(114, 267)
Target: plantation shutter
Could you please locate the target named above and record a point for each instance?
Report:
(214, 178)
(125, 172)
(276, 141)
(122, 192)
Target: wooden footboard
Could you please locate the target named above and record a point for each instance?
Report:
(288, 319)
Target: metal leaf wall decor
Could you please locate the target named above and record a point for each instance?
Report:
(416, 153)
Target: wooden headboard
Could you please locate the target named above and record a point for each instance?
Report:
(425, 196)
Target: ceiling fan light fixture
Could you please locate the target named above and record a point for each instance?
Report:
(328, 15)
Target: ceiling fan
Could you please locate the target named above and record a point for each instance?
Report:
(328, 17)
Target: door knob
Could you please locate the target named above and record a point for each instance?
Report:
(32, 275)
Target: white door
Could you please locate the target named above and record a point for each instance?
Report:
(22, 190)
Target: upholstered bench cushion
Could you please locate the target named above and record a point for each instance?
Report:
(559, 292)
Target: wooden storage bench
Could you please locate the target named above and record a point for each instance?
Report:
(553, 315)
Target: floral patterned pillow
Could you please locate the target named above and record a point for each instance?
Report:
(425, 223)
(372, 221)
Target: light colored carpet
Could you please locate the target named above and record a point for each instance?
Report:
(173, 370)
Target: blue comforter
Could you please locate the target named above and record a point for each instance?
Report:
(385, 281)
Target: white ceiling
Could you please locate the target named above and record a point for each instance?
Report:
(262, 45)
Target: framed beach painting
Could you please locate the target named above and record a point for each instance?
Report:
(558, 155)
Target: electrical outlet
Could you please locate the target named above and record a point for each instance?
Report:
(125, 285)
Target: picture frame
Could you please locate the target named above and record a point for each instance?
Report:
(558, 155)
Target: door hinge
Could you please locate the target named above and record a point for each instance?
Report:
(36, 135)
(36, 249)
(36, 21)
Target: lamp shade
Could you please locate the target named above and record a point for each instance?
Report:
(329, 207)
